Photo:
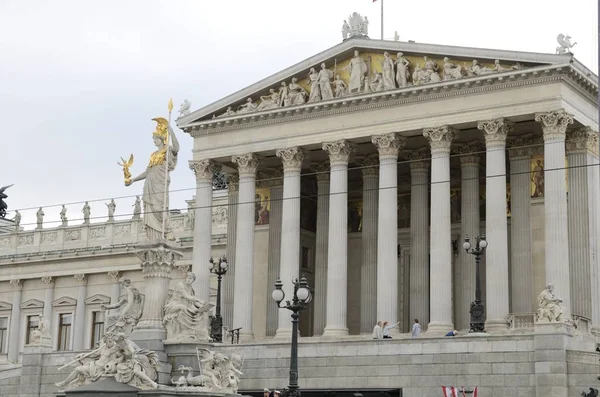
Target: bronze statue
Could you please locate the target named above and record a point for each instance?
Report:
(3, 205)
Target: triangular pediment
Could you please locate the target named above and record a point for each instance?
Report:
(5, 306)
(64, 301)
(337, 60)
(32, 304)
(97, 300)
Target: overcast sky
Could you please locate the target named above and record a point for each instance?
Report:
(80, 80)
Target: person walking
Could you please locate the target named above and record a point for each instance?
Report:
(416, 329)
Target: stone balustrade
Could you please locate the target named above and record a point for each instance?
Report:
(521, 321)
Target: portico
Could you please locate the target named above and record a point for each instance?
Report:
(424, 141)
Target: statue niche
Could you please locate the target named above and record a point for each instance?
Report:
(184, 314)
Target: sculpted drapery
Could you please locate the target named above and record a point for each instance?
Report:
(154, 197)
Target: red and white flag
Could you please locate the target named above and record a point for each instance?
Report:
(450, 391)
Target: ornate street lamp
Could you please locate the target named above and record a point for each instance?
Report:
(216, 321)
(477, 310)
(302, 297)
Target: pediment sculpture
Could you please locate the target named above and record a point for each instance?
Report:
(360, 76)
(123, 315)
(118, 357)
(550, 307)
(185, 316)
(217, 373)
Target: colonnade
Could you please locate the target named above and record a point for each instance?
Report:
(431, 253)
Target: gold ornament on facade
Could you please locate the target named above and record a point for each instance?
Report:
(126, 165)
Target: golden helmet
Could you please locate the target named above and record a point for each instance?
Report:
(161, 128)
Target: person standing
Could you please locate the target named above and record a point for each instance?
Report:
(377, 331)
(416, 329)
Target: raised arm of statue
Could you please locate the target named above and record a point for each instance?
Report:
(174, 141)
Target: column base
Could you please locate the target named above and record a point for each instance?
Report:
(334, 332)
(497, 326)
(435, 329)
(246, 337)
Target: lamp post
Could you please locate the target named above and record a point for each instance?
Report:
(216, 323)
(302, 297)
(477, 310)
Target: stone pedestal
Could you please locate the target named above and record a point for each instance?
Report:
(31, 371)
(158, 259)
(550, 344)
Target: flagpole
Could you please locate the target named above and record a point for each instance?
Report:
(166, 193)
(381, 19)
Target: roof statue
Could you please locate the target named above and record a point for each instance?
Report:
(355, 26)
(3, 205)
(184, 109)
(564, 44)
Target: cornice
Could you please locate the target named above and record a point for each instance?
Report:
(401, 96)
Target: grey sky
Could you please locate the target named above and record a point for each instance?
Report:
(82, 79)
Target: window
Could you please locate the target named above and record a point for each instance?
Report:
(97, 328)
(65, 321)
(33, 323)
(3, 335)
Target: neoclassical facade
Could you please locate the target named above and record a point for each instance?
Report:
(364, 168)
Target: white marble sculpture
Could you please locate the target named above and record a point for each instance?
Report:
(130, 306)
(452, 71)
(296, 95)
(112, 206)
(345, 30)
(270, 101)
(324, 78)
(184, 109)
(42, 333)
(431, 70)
(387, 72)
(341, 89)
(137, 208)
(358, 26)
(247, 107)
(228, 112)
(357, 69)
(401, 70)
(17, 219)
(63, 216)
(184, 314)
(40, 218)
(476, 70)
(218, 374)
(86, 213)
(118, 357)
(376, 83)
(564, 44)
(550, 307)
(315, 91)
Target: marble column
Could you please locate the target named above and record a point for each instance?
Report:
(593, 183)
(201, 253)
(228, 292)
(115, 276)
(521, 264)
(368, 270)
(469, 226)
(496, 255)
(79, 322)
(580, 221)
(440, 297)
(15, 321)
(292, 159)
(337, 255)
(244, 248)
(275, 183)
(554, 126)
(320, 303)
(388, 146)
(419, 236)
(48, 298)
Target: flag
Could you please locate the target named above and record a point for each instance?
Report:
(450, 391)
(472, 393)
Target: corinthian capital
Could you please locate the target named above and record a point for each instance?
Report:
(388, 144)
(440, 138)
(247, 163)
(554, 124)
(495, 131)
(418, 159)
(233, 181)
(270, 177)
(469, 153)
(321, 170)
(291, 158)
(48, 280)
(204, 169)
(339, 151)
(369, 165)
(582, 140)
(114, 275)
(17, 283)
(81, 278)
